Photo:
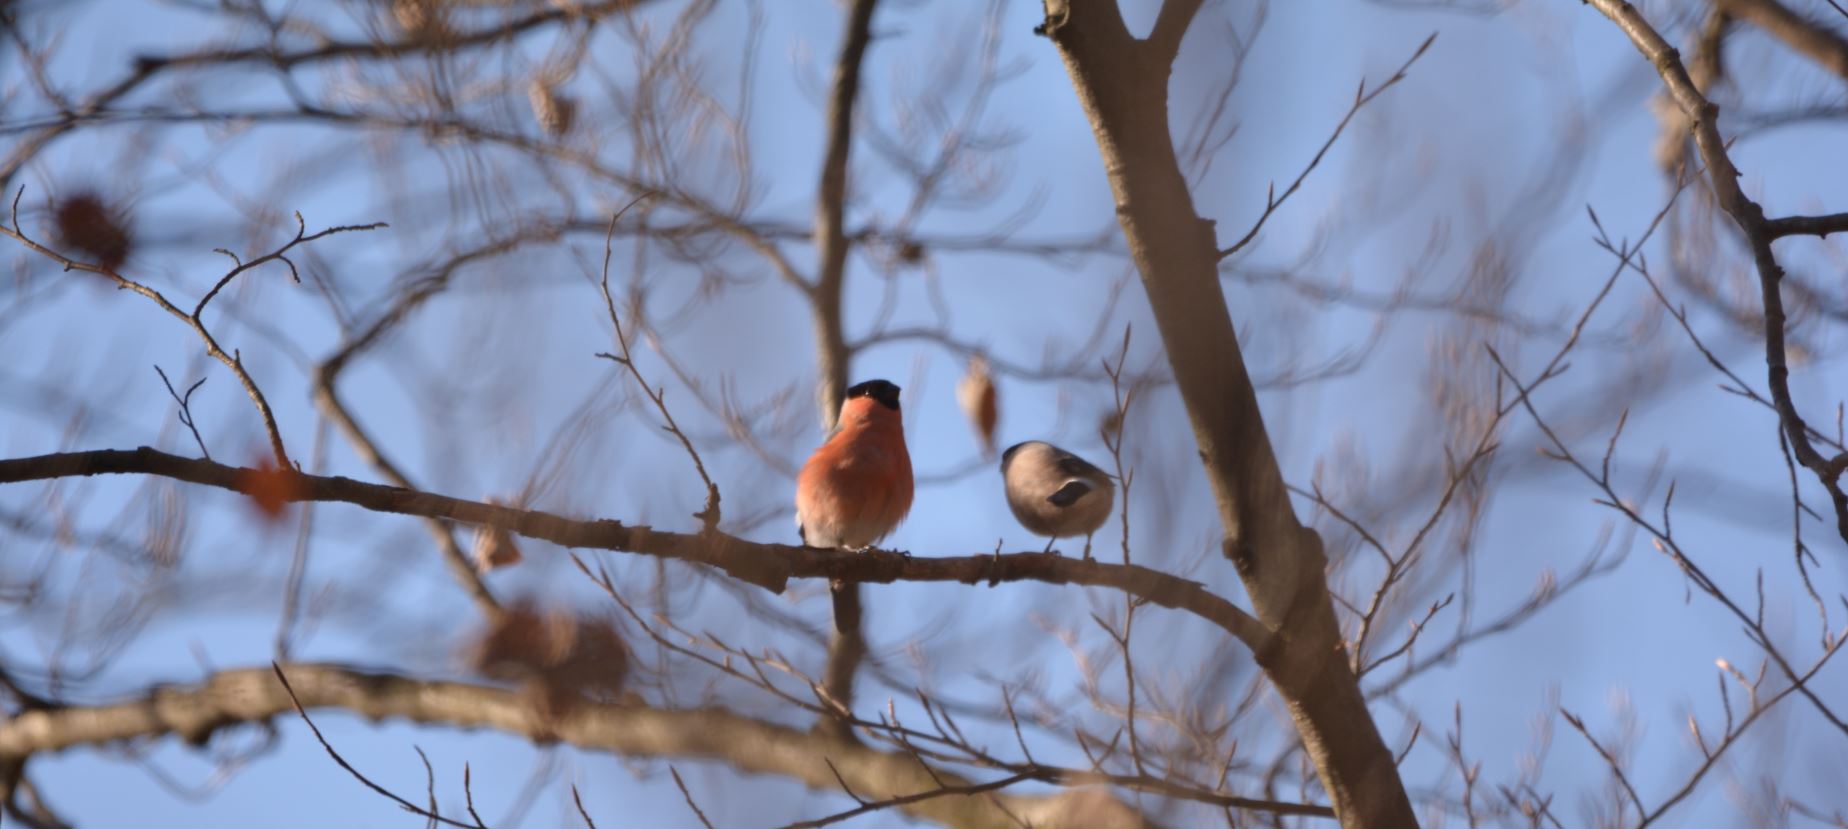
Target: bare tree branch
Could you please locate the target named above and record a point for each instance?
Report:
(1281, 562)
(233, 360)
(766, 565)
(848, 647)
(1362, 97)
(1809, 38)
(406, 805)
(1171, 24)
(253, 695)
(709, 515)
(831, 244)
(1807, 225)
(1759, 234)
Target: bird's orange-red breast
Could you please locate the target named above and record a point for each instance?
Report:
(857, 487)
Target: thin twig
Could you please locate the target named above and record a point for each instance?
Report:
(578, 800)
(1609, 759)
(1362, 97)
(232, 360)
(468, 793)
(342, 762)
(689, 795)
(279, 254)
(941, 791)
(185, 415)
(709, 516)
(429, 785)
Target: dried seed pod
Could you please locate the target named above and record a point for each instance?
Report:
(976, 395)
(494, 547)
(86, 223)
(423, 19)
(554, 112)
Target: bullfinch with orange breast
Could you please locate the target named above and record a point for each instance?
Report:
(1055, 493)
(857, 487)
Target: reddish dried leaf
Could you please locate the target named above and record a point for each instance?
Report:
(271, 489)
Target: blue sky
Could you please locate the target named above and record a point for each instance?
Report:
(467, 394)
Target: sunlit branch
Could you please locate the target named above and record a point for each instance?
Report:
(767, 565)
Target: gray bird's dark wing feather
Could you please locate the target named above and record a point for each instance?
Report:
(1070, 493)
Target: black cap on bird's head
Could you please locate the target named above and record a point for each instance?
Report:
(883, 391)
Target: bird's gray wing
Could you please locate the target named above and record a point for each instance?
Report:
(1070, 493)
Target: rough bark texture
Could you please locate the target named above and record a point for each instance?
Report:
(1122, 82)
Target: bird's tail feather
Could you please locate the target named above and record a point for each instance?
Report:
(847, 608)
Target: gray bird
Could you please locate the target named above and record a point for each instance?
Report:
(1056, 493)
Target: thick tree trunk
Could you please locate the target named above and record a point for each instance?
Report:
(847, 649)
(1122, 82)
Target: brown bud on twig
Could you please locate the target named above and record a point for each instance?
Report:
(976, 395)
(1110, 426)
